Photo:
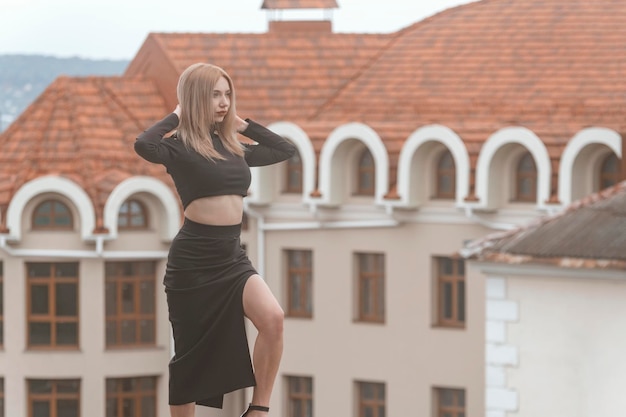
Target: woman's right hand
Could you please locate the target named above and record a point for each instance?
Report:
(177, 110)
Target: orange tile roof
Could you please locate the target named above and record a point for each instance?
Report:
(549, 65)
(276, 77)
(552, 66)
(82, 129)
(299, 4)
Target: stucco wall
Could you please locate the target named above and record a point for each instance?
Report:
(571, 343)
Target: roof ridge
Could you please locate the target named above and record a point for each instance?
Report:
(393, 37)
(113, 99)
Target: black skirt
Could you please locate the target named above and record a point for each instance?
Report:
(207, 270)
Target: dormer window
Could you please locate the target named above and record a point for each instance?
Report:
(132, 215)
(293, 175)
(445, 187)
(52, 215)
(365, 174)
(526, 179)
(609, 171)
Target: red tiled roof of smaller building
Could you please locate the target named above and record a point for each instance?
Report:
(590, 233)
(82, 129)
(299, 4)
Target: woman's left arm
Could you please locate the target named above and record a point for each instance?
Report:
(270, 148)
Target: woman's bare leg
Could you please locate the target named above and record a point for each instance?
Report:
(262, 308)
(185, 410)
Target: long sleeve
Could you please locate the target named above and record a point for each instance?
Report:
(270, 149)
(150, 144)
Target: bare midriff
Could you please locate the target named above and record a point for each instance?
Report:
(221, 210)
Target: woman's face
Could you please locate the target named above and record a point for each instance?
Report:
(221, 99)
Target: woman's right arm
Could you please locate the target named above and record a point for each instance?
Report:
(149, 145)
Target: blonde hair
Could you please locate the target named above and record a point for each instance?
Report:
(197, 118)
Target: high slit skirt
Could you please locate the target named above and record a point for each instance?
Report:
(207, 270)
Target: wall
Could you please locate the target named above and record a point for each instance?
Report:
(566, 343)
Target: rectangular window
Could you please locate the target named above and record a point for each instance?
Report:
(53, 398)
(450, 289)
(371, 399)
(1, 306)
(370, 287)
(130, 304)
(134, 397)
(299, 283)
(52, 304)
(449, 402)
(299, 396)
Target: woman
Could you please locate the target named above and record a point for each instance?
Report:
(209, 281)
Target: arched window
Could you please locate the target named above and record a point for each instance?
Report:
(609, 171)
(132, 215)
(445, 186)
(365, 174)
(52, 214)
(526, 179)
(293, 176)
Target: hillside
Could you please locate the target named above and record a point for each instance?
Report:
(24, 77)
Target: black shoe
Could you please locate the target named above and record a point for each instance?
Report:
(255, 408)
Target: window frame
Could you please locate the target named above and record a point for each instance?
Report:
(374, 403)
(305, 273)
(52, 216)
(378, 277)
(454, 279)
(293, 168)
(136, 317)
(606, 175)
(362, 170)
(303, 396)
(54, 396)
(441, 172)
(523, 175)
(51, 317)
(143, 213)
(446, 410)
(136, 395)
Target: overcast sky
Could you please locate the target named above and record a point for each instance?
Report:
(115, 29)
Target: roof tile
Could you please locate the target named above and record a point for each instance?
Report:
(78, 128)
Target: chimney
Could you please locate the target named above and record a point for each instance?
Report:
(290, 16)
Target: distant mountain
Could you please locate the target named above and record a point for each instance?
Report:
(24, 77)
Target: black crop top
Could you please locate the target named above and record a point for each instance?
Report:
(194, 175)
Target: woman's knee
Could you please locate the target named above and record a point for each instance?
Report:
(272, 322)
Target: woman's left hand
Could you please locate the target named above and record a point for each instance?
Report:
(241, 124)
